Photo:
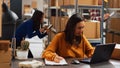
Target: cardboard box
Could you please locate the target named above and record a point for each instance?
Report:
(112, 38)
(88, 2)
(114, 3)
(5, 56)
(63, 23)
(52, 2)
(92, 30)
(27, 9)
(34, 4)
(0, 18)
(4, 44)
(109, 38)
(59, 24)
(114, 24)
(117, 39)
(55, 21)
(116, 52)
(80, 2)
(5, 65)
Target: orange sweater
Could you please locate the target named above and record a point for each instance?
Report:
(62, 48)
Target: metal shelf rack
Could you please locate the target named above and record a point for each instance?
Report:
(98, 40)
(76, 7)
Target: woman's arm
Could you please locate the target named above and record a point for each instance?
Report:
(50, 51)
(40, 35)
(32, 33)
(88, 47)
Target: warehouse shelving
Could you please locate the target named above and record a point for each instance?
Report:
(80, 7)
(113, 31)
(77, 7)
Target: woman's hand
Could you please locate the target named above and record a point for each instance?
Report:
(42, 30)
(57, 58)
(106, 16)
(47, 31)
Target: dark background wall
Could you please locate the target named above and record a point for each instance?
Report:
(16, 6)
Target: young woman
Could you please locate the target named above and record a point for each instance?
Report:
(30, 28)
(70, 43)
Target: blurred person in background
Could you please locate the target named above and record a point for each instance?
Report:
(31, 28)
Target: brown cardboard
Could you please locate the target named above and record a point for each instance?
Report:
(52, 2)
(0, 18)
(4, 44)
(80, 2)
(5, 56)
(55, 3)
(112, 38)
(88, 2)
(5, 65)
(59, 24)
(117, 39)
(27, 9)
(109, 38)
(115, 4)
(114, 24)
(72, 2)
(34, 4)
(63, 23)
(92, 30)
(110, 5)
(98, 30)
(116, 52)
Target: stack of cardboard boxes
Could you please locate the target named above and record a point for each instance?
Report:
(59, 24)
(72, 2)
(0, 17)
(114, 3)
(113, 25)
(5, 54)
(113, 37)
(92, 30)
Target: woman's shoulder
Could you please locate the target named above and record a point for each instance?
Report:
(61, 34)
(29, 21)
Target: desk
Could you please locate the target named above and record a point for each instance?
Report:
(111, 64)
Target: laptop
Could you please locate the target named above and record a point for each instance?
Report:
(102, 53)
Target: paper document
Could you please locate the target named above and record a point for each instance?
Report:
(31, 64)
(111, 14)
(62, 62)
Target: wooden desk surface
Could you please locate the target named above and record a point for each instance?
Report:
(111, 64)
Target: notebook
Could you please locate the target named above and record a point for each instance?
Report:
(62, 62)
(102, 53)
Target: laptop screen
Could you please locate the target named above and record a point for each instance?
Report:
(102, 52)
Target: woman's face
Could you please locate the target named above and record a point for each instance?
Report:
(42, 19)
(79, 28)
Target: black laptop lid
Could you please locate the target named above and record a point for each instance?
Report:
(102, 53)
